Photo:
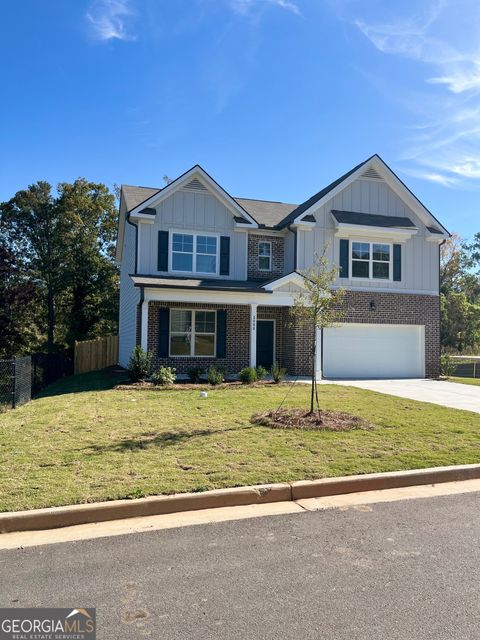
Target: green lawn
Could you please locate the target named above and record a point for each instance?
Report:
(84, 441)
(474, 381)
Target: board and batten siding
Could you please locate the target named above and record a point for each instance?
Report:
(420, 271)
(129, 298)
(196, 212)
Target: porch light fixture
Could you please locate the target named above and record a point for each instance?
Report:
(373, 305)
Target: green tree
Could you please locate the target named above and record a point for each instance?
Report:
(36, 230)
(66, 244)
(90, 300)
(317, 306)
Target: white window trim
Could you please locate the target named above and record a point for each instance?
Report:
(371, 261)
(192, 334)
(195, 234)
(269, 257)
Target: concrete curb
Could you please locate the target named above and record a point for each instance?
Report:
(56, 517)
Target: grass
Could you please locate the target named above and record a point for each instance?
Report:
(83, 441)
(474, 381)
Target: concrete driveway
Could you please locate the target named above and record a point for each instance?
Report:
(447, 394)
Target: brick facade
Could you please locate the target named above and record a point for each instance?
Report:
(238, 338)
(277, 259)
(293, 342)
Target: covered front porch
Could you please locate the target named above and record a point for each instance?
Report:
(185, 329)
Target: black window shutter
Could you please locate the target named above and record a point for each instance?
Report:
(224, 256)
(162, 251)
(344, 258)
(163, 332)
(397, 262)
(221, 333)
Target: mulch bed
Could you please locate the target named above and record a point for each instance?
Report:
(200, 386)
(301, 419)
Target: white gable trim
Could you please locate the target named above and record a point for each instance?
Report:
(213, 187)
(290, 278)
(393, 182)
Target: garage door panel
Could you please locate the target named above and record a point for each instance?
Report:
(373, 351)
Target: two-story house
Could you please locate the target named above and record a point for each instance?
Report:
(208, 279)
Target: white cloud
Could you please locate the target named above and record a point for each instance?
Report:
(109, 19)
(245, 7)
(443, 40)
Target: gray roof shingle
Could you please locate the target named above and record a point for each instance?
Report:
(372, 220)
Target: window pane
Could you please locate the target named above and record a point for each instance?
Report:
(205, 321)
(381, 252)
(206, 244)
(264, 263)
(182, 242)
(204, 345)
(360, 269)
(206, 264)
(361, 250)
(181, 320)
(381, 270)
(264, 248)
(180, 344)
(182, 262)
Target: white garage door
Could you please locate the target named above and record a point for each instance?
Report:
(374, 351)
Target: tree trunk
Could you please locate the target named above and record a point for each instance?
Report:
(314, 377)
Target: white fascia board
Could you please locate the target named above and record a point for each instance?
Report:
(219, 297)
(344, 230)
(194, 172)
(391, 179)
(405, 194)
(303, 226)
(290, 278)
(330, 194)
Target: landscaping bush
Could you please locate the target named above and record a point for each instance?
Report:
(447, 365)
(164, 376)
(140, 364)
(278, 373)
(261, 373)
(248, 375)
(215, 375)
(194, 374)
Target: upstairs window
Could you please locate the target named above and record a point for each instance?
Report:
(371, 260)
(264, 256)
(194, 253)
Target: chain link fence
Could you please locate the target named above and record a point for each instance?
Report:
(15, 382)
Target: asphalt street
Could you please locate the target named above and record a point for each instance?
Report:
(408, 570)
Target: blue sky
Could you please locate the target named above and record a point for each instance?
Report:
(274, 98)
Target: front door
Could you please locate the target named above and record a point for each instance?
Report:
(265, 343)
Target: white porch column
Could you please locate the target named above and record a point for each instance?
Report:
(144, 333)
(318, 353)
(253, 335)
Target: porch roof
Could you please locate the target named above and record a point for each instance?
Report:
(203, 284)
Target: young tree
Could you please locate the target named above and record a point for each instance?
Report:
(318, 306)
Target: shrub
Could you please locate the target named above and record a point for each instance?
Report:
(447, 365)
(261, 373)
(140, 364)
(194, 374)
(215, 375)
(278, 373)
(164, 376)
(248, 375)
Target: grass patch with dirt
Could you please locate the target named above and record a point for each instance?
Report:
(85, 441)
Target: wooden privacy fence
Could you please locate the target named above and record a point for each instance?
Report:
(95, 354)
